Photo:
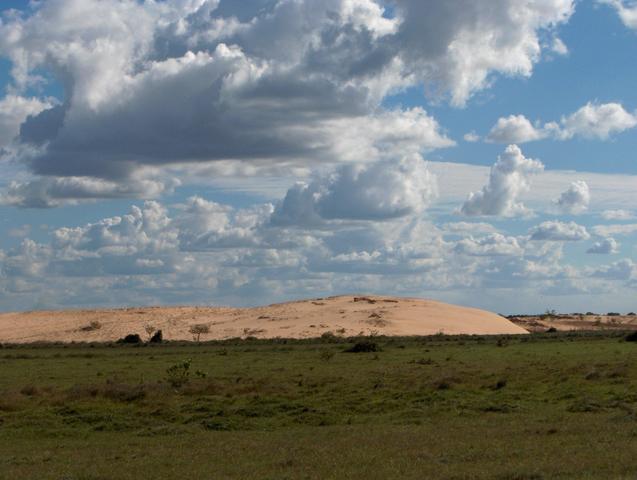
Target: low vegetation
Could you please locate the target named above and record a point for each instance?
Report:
(559, 405)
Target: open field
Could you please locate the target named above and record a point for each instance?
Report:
(539, 406)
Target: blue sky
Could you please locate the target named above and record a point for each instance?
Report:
(253, 152)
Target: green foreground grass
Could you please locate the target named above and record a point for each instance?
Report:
(536, 407)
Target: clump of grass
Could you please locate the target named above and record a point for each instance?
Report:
(122, 392)
(500, 384)
(445, 383)
(326, 355)
(10, 401)
(30, 390)
(178, 374)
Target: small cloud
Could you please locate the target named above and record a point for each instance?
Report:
(618, 215)
(559, 47)
(617, 229)
(592, 121)
(574, 200)
(468, 227)
(471, 137)
(605, 246)
(20, 232)
(554, 231)
(514, 129)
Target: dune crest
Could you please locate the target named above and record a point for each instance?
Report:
(342, 315)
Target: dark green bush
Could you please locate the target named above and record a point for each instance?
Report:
(631, 337)
(158, 337)
(132, 338)
(364, 346)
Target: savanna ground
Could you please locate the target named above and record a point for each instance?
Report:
(560, 405)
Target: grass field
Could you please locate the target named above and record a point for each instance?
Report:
(532, 407)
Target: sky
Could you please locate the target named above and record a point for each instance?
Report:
(216, 152)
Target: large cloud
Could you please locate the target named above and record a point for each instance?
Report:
(509, 177)
(380, 191)
(297, 82)
(49, 192)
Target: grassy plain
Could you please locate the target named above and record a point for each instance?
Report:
(561, 405)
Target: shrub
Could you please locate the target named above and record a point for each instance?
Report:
(631, 314)
(364, 346)
(179, 373)
(131, 338)
(158, 337)
(326, 355)
(631, 337)
(613, 314)
(328, 336)
(551, 330)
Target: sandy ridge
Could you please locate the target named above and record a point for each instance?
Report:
(342, 315)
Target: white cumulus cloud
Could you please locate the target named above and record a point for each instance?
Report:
(575, 199)
(556, 231)
(378, 191)
(605, 246)
(299, 83)
(592, 121)
(508, 178)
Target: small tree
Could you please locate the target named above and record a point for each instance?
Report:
(198, 329)
(158, 337)
(150, 329)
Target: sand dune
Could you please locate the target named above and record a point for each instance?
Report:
(343, 315)
(575, 321)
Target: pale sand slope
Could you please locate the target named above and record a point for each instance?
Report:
(343, 315)
(575, 321)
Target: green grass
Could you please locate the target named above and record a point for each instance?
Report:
(537, 407)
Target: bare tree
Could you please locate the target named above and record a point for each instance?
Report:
(150, 329)
(198, 329)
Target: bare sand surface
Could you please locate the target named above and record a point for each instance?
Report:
(342, 315)
(575, 321)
